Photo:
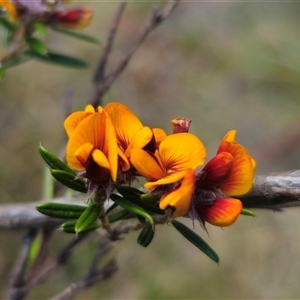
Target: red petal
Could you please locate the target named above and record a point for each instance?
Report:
(222, 213)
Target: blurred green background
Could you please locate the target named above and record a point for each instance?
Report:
(224, 65)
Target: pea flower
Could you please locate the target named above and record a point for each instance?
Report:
(170, 170)
(92, 146)
(229, 173)
(131, 133)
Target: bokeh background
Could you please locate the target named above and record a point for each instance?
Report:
(224, 65)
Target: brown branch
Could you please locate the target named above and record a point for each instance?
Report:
(274, 191)
(104, 82)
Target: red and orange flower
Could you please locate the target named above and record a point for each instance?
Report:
(229, 173)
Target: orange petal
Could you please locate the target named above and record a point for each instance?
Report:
(74, 119)
(180, 198)
(181, 151)
(146, 164)
(126, 123)
(100, 159)
(140, 139)
(81, 154)
(217, 169)
(159, 135)
(241, 178)
(110, 147)
(222, 213)
(124, 162)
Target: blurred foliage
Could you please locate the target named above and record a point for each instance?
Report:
(222, 64)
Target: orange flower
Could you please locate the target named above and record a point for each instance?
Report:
(173, 164)
(9, 8)
(131, 133)
(92, 145)
(229, 173)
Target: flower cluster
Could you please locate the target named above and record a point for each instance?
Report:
(110, 147)
(46, 12)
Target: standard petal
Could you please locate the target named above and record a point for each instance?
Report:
(241, 177)
(217, 170)
(180, 198)
(74, 119)
(222, 213)
(181, 151)
(146, 164)
(82, 155)
(126, 123)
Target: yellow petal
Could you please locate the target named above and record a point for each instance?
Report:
(180, 198)
(100, 159)
(230, 136)
(181, 151)
(222, 213)
(241, 177)
(124, 162)
(89, 108)
(146, 164)
(126, 123)
(81, 156)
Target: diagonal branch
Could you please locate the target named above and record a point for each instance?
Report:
(104, 82)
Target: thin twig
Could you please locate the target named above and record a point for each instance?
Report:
(17, 278)
(103, 83)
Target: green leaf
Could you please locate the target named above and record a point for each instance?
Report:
(247, 212)
(61, 210)
(88, 218)
(2, 73)
(58, 59)
(40, 28)
(53, 162)
(120, 215)
(7, 24)
(196, 240)
(125, 203)
(16, 60)
(36, 46)
(146, 235)
(80, 36)
(69, 227)
(134, 195)
(70, 181)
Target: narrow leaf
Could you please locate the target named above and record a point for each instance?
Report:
(36, 46)
(120, 215)
(70, 181)
(61, 210)
(53, 162)
(146, 235)
(40, 28)
(69, 227)
(89, 217)
(134, 195)
(58, 59)
(196, 240)
(2, 73)
(16, 60)
(247, 212)
(80, 36)
(125, 203)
